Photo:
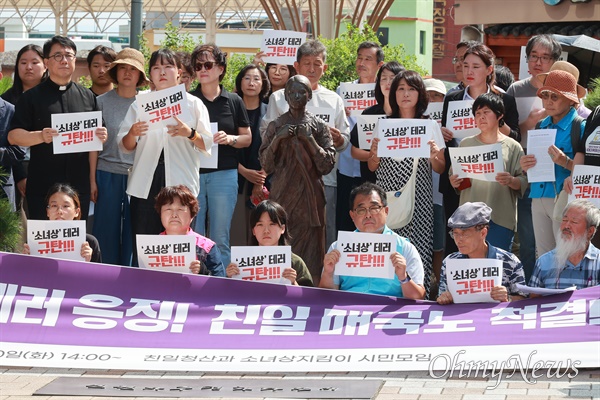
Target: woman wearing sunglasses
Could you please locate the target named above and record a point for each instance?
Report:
(219, 187)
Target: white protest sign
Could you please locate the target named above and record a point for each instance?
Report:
(538, 142)
(280, 47)
(56, 239)
(586, 184)
(404, 137)
(357, 96)
(470, 280)
(365, 126)
(460, 119)
(325, 113)
(477, 162)
(157, 108)
(262, 263)
(211, 161)
(435, 110)
(525, 105)
(76, 132)
(171, 253)
(365, 254)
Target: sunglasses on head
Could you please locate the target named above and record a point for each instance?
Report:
(208, 65)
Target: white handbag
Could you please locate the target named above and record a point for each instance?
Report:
(401, 203)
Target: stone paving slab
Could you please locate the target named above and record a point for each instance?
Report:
(20, 384)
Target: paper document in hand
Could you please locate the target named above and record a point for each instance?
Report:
(538, 142)
(542, 291)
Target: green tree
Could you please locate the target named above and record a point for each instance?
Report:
(10, 225)
(177, 40)
(592, 100)
(5, 84)
(235, 63)
(341, 55)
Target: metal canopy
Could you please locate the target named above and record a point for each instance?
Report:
(105, 13)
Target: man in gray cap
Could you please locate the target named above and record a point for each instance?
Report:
(469, 227)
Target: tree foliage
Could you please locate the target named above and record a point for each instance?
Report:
(10, 224)
(235, 63)
(592, 100)
(341, 55)
(5, 84)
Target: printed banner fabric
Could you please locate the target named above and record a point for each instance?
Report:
(58, 313)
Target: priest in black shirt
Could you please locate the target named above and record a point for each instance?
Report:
(31, 126)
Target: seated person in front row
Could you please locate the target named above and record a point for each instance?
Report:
(62, 204)
(469, 227)
(268, 221)
(177, 207)
(368, 210)
(574, 261)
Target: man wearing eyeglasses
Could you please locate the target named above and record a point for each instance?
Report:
(368, 203)
(31, 126)
(542, 51)
(469, 228)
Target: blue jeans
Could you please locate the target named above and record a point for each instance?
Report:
(499, 236)
(526, 235)
(217, 198)
(112, 219)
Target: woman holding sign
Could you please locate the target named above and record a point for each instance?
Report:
(385, 77)
(408, 99)
(502, 194)
(219, 186)
(177, 207)
(268, 221)
(62, 204)
(163, 156)
(479, 76)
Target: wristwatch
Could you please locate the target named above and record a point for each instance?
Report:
(405, 280)
(192, 135)
(234, 141)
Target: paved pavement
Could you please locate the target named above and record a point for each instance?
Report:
(18, 383)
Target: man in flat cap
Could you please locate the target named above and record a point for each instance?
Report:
(469, 227)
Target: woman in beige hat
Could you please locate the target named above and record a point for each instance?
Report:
(112, 224)
(560, 96)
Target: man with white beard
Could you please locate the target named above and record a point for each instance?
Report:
(574, 261)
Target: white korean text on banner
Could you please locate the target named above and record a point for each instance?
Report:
(170, 253)
(365, 254)
(280, 47)
(64, 314)
(262, 263)
(357, 96)
(470, 280)
(477, 162)
(76, 132)
(56, 239)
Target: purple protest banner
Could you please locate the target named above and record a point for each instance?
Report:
(58, 313)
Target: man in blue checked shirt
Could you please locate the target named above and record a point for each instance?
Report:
(574, 261)
(469, 228)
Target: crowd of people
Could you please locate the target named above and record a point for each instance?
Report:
(283, 176)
